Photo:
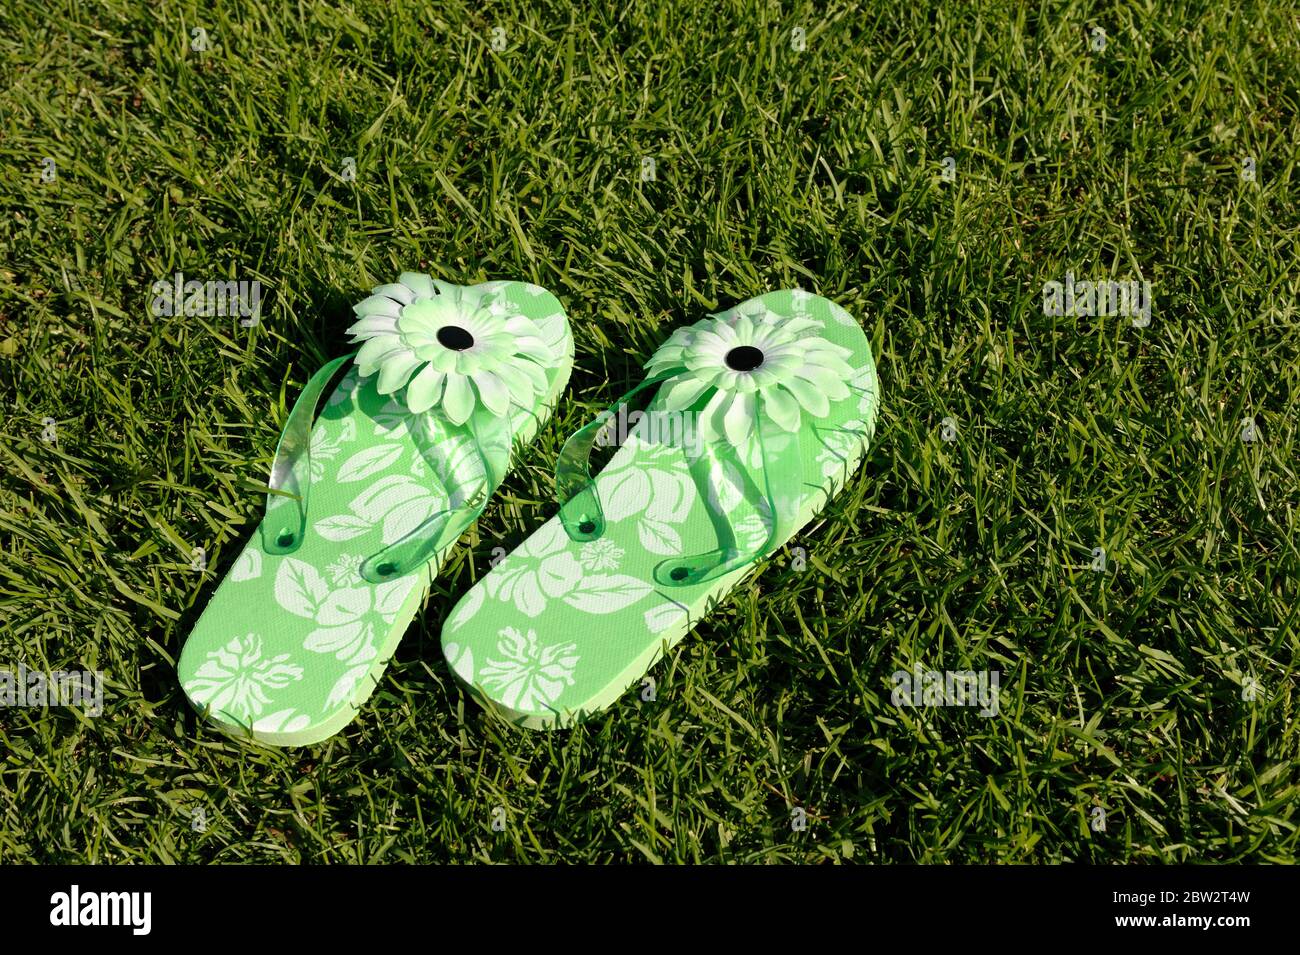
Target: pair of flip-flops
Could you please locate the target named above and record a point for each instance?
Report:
(756, 417)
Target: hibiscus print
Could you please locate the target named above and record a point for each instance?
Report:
(325, 448)
(651, 482)
(841, 448)
(544, 568)
(601, 554)
(343, 615)
(345, 571)
(235, 679)
(529, 676)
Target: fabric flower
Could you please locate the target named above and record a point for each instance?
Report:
(748, 360)
(450, 347)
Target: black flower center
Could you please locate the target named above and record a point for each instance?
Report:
(744, 358)
(455, 338)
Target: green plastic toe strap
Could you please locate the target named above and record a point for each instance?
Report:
(492, 438)
(285, 522)
(583, 518)
(580, 510)
(782, 477)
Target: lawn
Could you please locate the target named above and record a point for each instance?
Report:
(1102, 509)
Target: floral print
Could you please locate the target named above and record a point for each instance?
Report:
(529, 675)
(235, 680)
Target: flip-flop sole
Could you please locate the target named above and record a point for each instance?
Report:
(290, 646)
(559, 630)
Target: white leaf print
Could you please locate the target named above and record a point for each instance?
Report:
(390, 596)
(384, 495)
(299, 588)
(659, 619)
(344, 686)
(341, 527)
(406, 517)
(247, 567)
(368, 463)
(467, 608)
(658, 537)
(461, 661)
(607, 593)
(626, 493)
(671, 495)
(282, 721)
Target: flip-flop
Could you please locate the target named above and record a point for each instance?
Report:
(367, 498)
(782, 393)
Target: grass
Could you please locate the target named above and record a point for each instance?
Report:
(1125, 689)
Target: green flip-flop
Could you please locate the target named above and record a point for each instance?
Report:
(372, 484)
(759, 415)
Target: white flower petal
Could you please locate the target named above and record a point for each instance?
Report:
(375, 351)
(458, 399)
(681, 393)
(492, 392)
(830, 384)
(396, 291)
(813, 401)
(738, 421)
(535, 373)
(782, 407)
(712, 416)
(533, 347)
(373, 325)
(396, 370)
(424, 390)
(418, 283)
(378, 305)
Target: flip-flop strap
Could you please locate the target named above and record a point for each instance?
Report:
(285, 520)
(782, 467)
(583, 518)
(580, 510)
(492, 438)
(284, 524)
